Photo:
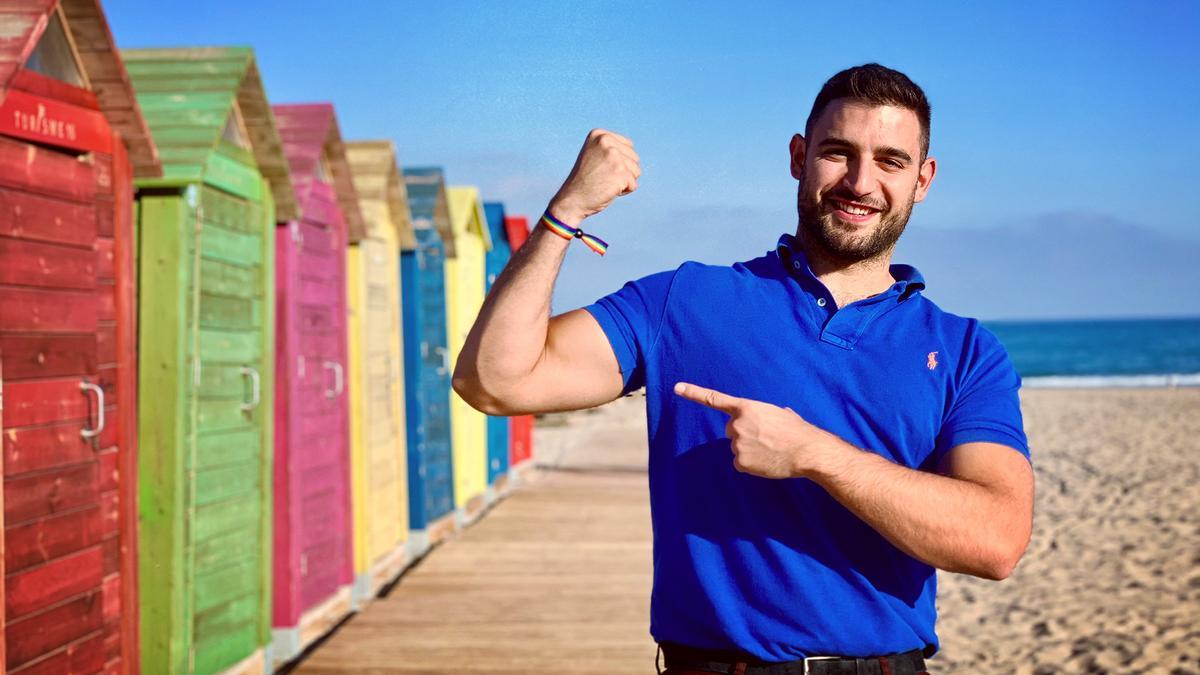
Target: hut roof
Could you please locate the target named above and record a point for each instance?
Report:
(21, 27)
(310, 131)
(517, 228)
(428, 204)
(381, 189)
(466, 213)
(187, 95)
(494, 213)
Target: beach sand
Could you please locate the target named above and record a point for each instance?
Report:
(1111, 580)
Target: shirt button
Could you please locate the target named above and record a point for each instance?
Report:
(796, 264)
(820, 302)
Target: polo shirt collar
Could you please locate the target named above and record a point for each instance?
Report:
(908, 278)
(843, 326)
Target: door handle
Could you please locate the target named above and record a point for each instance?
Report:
(255, 389)
(339, 376)
(445, 360)
(85, 387)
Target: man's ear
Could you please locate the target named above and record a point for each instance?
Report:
(925, 178)
(797, 147)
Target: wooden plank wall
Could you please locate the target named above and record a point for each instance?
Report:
(58, 329)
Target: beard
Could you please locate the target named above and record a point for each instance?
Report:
(821, 230)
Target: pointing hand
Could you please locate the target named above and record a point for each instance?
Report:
(607, 168)
(767, 440)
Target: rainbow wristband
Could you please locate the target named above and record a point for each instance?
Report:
(567, 232)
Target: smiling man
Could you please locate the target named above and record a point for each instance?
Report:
(822, 436)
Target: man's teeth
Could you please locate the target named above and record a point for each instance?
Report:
(854, 210)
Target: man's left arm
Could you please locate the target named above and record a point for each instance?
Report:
(975, 516)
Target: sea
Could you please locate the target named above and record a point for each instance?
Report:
(1103, 352)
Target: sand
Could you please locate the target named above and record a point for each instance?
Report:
(1111, 580)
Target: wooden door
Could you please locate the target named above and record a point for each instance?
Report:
(435, 382)
(57, 334)
(384, 480)
(313, 548)
(225, 554)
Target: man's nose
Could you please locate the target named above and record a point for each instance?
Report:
(859, 178)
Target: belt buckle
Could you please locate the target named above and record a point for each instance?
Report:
(809, 659)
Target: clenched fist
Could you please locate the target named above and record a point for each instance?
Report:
(607, 168)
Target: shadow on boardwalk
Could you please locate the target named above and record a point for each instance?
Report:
(555, 579)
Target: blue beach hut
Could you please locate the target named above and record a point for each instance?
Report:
(427, 366)
(497, 427)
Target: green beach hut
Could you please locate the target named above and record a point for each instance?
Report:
(207, 358)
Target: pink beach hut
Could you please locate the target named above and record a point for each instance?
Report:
(312, 539)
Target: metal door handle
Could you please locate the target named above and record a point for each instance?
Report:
(445, 360)
(255, 389)
(86, 386)
(339, 380)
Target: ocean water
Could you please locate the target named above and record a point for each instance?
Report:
(1116, 352)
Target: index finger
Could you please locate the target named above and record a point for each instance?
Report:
(709, 397)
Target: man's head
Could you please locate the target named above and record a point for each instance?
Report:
(862, 163)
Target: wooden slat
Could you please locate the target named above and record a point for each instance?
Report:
(28, 263)
(43, 540)
(49, 493)
(64, 624)
(85, 655)
(40, 311)
(43, 402)
(43, 447)
(43, 356)
(43, 171)
(40, 218)
(42, 586)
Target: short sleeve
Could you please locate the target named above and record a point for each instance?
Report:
(631, 319)
(987, 407)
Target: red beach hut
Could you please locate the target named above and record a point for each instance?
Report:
(313, 544)
(71, 140)
(520, 427)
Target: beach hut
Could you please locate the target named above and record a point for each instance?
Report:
(498, 435)
(71, 139)
(521, 426)
(207, 345)
(313, 566)
(465, 279)
(379, 462)
(427, 361)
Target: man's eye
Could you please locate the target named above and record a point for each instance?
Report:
(893, 164)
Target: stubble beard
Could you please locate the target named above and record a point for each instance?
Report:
(820, 230)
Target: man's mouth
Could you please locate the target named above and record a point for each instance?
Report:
(853, 211)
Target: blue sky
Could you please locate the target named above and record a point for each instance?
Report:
(1071, 126)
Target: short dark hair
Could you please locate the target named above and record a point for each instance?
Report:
(879, 85)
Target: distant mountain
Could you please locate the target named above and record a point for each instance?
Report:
(1052, 266)
(1061, 265)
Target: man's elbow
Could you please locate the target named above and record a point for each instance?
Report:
(478, 395)
(998, 563)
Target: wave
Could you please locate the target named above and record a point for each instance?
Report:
(1119, 381)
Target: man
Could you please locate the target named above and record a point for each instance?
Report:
(822, 436)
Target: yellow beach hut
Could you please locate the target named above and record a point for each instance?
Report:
(379, 465)
(464, 296)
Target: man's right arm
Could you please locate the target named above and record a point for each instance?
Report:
(518, 359)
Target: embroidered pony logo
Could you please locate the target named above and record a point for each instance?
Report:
(931, 360)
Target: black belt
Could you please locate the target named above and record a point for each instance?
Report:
(735, 663)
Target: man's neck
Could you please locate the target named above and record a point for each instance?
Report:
(850, 281)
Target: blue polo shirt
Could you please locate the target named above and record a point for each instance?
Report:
(778, 568)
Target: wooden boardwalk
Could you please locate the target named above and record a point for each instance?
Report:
(554, 579)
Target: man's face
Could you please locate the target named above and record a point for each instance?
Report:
(860, 173)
